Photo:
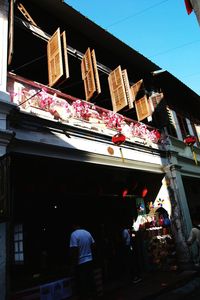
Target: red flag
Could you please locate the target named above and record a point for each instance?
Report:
(189, 7)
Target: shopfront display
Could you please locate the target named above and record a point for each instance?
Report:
(158, 240)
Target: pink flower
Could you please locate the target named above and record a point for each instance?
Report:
(113, 120)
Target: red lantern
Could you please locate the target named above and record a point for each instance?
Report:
(118, 139)
(190, 140)
(125, 193)
(144, 192)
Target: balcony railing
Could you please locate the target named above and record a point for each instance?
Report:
(45, 102)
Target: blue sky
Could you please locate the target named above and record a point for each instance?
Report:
(161, 30)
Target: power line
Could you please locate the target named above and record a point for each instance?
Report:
(28, 63)
(177, 47)
(190, 75)
(136, 14)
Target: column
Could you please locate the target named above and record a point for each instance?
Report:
(5, 103)
(5, 137)
(181, 221)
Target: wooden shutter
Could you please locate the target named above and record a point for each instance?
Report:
(96, 74)
(11, 33)
(135, 88)
(155, 99)
(26, 14)
(117, 90)
(88, 75)
(129, 95)
(172, 118)
(197, 128)
(142, 108)
(65, 56)
(54, 56)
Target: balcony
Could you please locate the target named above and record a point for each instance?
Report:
(44, 102)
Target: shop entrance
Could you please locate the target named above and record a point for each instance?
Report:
(49, 194)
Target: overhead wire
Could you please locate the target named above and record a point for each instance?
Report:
(134, 15)
(193, 74)
(28, 63)
(174, 48)
(144, 11)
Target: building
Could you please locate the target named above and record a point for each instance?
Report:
(62, 156)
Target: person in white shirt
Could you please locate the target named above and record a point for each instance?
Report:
(81, 250)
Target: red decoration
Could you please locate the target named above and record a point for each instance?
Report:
(190, 140)
(144, 192)
(125, 193)
(157, 134)
(161, 221)
(118, 139)
(188, 6)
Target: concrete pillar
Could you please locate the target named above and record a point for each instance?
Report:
(4, 96)
(5, 137)
(4, 7)
(181, 221)
(180, 191)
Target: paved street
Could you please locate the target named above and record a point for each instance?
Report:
(194, 295)
(159, 286)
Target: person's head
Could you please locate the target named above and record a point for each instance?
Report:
(76, 224)
(126, 225)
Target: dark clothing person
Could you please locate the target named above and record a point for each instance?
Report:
(130, 259)
(81, 246)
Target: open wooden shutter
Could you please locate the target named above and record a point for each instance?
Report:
(197, 129)
(135, 88)
(154, 103)
(172, 118)
(117, 90)
(11, 33)
(96, 74)
(155, 99)
(54, 56)
(142, 108)
(88, 75)
(26, 14)
(129, 95)
(64, 51)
